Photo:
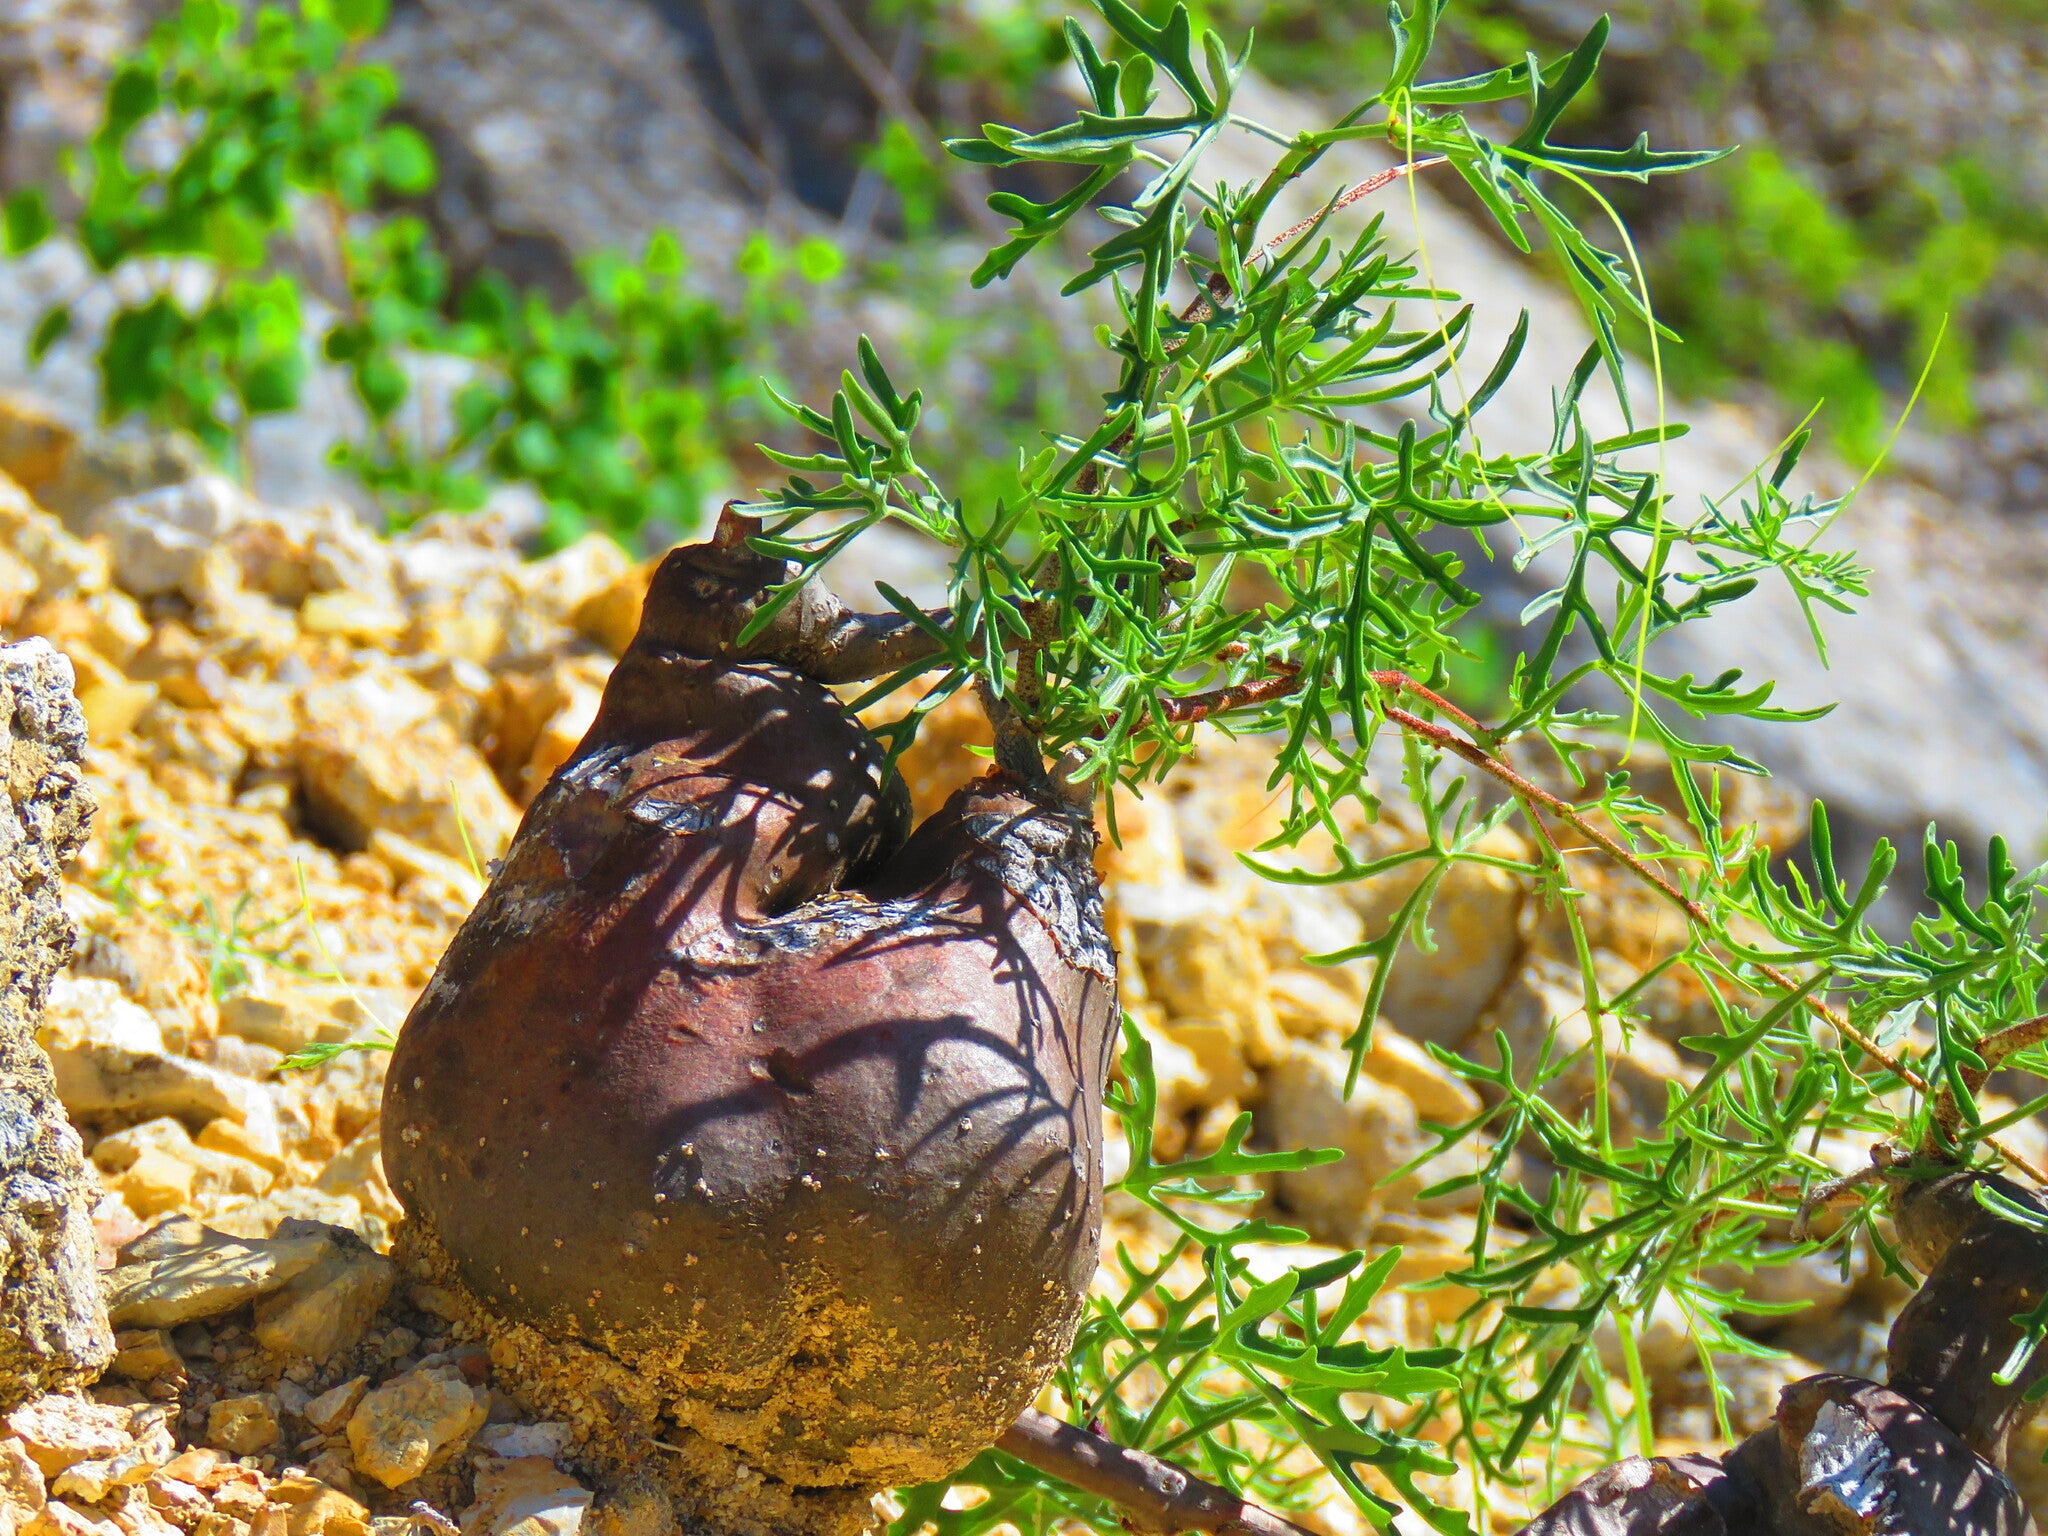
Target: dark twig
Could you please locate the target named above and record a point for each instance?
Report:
(1826, 1193)
(1158, 1498)
(856, 219)
(891, 95)
(745, 85)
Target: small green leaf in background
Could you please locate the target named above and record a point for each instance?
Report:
(54, 325)
(360, 18)
(819, 260)
(405, 162)
(28, 221)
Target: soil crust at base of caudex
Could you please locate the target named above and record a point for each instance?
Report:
(619, 1412)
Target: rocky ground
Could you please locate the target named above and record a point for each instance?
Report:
(307, 744)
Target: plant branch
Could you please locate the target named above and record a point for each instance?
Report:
(1533, 795)
(1287, 680)
(1159, 1498)
(1203, 305)
(859, 646)
(856, 219)
(1994, 1049)
(745, 85)
(1201, 706)
(2012, 1040)
(1201, 309)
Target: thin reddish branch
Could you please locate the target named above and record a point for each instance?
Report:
(1994, 1048)
(1401, 682)
(1201, 706)
(1287, 679)
(1201, 310)
(1159, 1498)
(2012, 1039)
(1532, 795)
(1365, 188)
(1485, 762)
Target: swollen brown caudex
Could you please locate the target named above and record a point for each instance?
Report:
(1924, 1453)
(782, 1123)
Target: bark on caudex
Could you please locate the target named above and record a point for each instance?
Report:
(1921, 1456)
(743, 1123)
(53, 1325)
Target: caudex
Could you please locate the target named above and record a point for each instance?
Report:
(783, 1117)
(795, 1168)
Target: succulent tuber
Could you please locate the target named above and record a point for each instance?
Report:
(779, 1121)
(1848, 1457)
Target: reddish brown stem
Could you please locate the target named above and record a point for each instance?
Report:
(2017, 1037)
(1200, 706)
(1531, 795)
(1994, 1049)
(1365, 188)
(1200, 309)
(1158, 1498)
(1401, 682)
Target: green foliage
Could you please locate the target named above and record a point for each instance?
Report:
(1193, 426)
(914, 179)
(1842, 297)
(267, 115)
(1100, 598)
(1738, 275)
(598, 406)
(618, 409)
(1764, 289)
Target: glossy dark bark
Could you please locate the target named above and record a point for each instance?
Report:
(1922, 1456)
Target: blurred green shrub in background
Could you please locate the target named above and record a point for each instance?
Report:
(1777, 287)
(229, 138)
(246, 198)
